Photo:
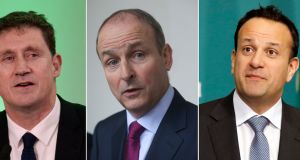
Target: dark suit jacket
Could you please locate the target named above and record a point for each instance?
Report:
(218, 135)
(71, 142)
(176, 137)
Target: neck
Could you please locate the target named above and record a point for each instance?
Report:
(29, 116)
(258, 104)
(141, 111)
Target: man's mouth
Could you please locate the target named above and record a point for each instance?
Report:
(131, 92)
(255, 76)
(24, 84)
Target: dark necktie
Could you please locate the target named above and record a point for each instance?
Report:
(132, 147)
(28, 151)
(259, 149)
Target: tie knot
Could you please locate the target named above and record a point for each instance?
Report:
(28, 140)
(258, 124)
(135, 130)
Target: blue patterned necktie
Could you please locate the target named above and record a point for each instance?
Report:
(259, 149)
(28, 151)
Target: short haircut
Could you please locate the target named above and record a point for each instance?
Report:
(20, 19)
(143, 17)
(271, 13)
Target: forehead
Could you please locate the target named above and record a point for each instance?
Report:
(266, 30)
(121, 32)
(19, 38)
(21, 33)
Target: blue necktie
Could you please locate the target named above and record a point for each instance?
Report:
(259, 149)
(28, 151)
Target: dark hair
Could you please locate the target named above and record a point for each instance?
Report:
(142, 16)
(21, 19)
(272, 13)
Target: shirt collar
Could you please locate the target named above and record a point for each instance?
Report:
(43, 130)
(243, 112)
(152, 119)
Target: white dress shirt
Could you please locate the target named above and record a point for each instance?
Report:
(45, 132)
(246, 134)
(150, 121)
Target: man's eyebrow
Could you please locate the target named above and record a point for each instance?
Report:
(273, 44)
(107, 52)
(249, 40)
(6, 52)
(31, 48)
(133, 45)
(111, 52)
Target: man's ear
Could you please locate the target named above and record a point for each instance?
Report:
(292, 68)
(56, 62)
(167, 56)
(233, 57)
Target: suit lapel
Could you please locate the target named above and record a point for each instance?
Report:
(223, 133)
(118, 140)
(290, 134)
(166, 140)
(70, 137)
(4, 141)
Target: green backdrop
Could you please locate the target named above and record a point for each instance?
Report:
(217, 21)
(68, 20)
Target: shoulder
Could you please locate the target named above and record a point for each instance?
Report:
(291, 112)
(72, 113)
(207, 107)
(112, 122)
(78, 109)
(178, 100)
(2, 114)
(224, 103)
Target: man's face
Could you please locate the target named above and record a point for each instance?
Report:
(27, 69)
(262, 65)
(135, 69)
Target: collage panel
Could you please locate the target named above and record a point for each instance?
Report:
(131, 67)
(137, 79)
(42, 80)
(249, 76)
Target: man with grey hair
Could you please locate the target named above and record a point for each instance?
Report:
(157, 123)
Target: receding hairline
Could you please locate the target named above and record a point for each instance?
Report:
(120, 17)
(123, 16)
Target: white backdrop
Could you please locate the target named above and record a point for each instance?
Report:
(179, 20)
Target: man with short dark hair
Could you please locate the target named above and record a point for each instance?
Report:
(37, 123)
(253, 122)
(157, 123)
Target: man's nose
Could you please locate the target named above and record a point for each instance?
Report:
(22, 67)
(257, 59)
(127, 71)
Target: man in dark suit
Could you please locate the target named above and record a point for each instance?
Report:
(37, 123)
(157, 122)
(253, 122)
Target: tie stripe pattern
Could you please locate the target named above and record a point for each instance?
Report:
(28, 150)
(259, 149)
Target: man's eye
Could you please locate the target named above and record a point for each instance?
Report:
(33, 55)
(8, 58)
(112, 62)
(248, 50)
(272, 53)
(138, 56)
